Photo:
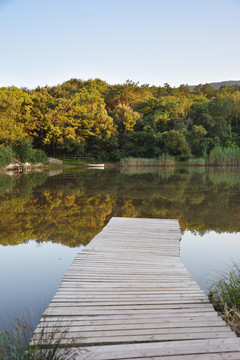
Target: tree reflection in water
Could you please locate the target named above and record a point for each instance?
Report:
(72, 207)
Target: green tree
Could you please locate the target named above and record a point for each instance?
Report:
(143, 145)
(125, 118)
(176, 144)
(196, 135)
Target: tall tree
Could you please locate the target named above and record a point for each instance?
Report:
(125, 118)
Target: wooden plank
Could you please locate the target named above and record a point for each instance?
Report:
(87, 326)
(79, 339)
(157, 349)
(163, 314)
(134, 331)
(219, 356)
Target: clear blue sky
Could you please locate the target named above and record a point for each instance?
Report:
(46, 42)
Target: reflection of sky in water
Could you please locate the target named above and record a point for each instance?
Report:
(33, 273)
(207, 255)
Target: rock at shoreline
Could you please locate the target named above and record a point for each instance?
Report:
(53, 161)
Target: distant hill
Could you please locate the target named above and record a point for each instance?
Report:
(217, 85)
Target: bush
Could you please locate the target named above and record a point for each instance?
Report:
(6, 156)
(23, 149)
(176, 144)
(38, 156)
(25, 152)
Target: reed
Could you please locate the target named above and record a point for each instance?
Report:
(196, 162)
(225, 297)
(163, 160)
(225, 156)
(167, 160)
(15, 343)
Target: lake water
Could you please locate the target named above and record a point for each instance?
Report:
(46, 218)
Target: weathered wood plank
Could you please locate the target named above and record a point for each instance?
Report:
(78, 326)
(158, 349)
(138, 351)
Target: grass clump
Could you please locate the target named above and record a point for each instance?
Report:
(225, 156)
(163, 160)
(14, 344)
(131, 161)
(166, 159)
(225, 297)
(196, 162)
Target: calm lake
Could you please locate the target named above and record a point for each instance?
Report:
(47, 217)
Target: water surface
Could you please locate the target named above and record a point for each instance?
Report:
(47, 217)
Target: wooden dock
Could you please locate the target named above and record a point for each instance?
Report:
(128, 296)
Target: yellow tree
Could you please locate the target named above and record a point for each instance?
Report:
(15, 107)
(125, 118)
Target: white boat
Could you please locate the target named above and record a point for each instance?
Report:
(96, 166)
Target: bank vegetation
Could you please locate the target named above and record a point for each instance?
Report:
(225, 296)
(114, 122)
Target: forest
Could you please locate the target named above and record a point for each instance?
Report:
(112, 122)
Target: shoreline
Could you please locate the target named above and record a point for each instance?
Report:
(42, 167)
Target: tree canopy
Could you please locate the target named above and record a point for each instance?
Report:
(111, 121)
